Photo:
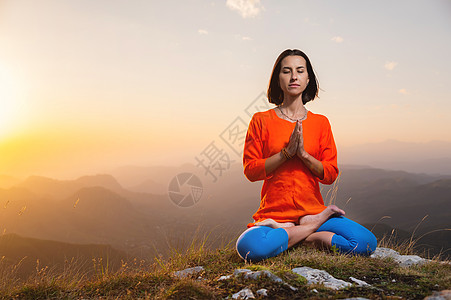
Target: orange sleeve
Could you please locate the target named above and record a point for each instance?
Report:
(328, 155)
(253, 161)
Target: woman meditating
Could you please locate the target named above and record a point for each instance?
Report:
(292, 150)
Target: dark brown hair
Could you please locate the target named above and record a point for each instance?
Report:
(275, 93)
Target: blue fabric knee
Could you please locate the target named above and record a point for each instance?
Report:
(261, 242)
(350, 237)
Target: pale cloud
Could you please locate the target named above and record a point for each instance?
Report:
(403, 91)
(246, 8)
(202, 31)
(244, 38)
(390, 65)
(337, 39)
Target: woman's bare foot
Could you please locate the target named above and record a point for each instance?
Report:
(309, 224)
(273, 224)
(322, 217)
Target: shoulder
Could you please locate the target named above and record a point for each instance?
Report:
(262, 116)
(318, 119)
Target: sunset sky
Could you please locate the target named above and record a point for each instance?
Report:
(90, 85)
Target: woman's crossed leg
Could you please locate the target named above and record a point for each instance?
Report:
(326, 229)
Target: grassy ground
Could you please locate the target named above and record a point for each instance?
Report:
(154, 280)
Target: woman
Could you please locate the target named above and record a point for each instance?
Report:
(292, 150)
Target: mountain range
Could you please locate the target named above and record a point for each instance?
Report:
(432, 157)
(135, 215)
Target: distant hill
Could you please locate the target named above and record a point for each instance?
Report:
(428, 241)
(8, 181)
(55, 189)
(432, 157)
(141, 223)
(97, 209)
(141, 176)
(406, 198)
(150, 186)
(397, 199)
(26, 252)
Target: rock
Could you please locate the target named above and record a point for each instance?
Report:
(357, 298)
(315, 276)
(239, 271)
(224, 277)
(262, 292)
(245, 293)
(403, 260)
(359, 282)
(248, 274)
(410, 260)
(189, 271)
(442, 295)
(258, 274)
(384, 252)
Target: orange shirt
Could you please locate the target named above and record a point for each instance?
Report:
(292, 190)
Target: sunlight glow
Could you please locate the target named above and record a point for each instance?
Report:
(9, 102)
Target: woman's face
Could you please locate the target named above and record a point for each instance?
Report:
(293, 76)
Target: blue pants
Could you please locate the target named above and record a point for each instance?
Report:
(261, 242)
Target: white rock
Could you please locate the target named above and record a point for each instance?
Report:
(262, 292)
(245, 293)
(189, 271)
(239, 271)
(410, 260)
(403, 260)
(359, 282)
(384, 252)
(442, 295)
(248, 274)
(224, 277)
(258, 274)
(315, 276)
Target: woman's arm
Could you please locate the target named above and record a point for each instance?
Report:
(314, 165)
(273, 162)
(325, 169)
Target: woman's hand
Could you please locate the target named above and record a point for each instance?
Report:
(301, 153)
(293, 143)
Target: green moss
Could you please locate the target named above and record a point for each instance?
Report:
(257, 268)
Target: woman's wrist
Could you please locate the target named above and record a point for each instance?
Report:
(282, 156)
(285, 154)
